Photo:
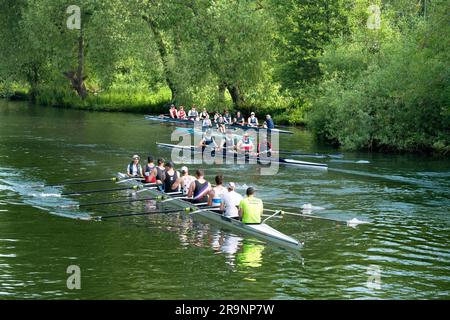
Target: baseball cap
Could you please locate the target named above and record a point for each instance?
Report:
(231, 185)
(136, 157)
(184, 169)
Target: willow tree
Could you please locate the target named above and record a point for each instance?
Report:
(22, 60)
(80, 41)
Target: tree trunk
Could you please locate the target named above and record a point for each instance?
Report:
(33, 79)
(163, 54)
(236, 95)
(222, 87)
(81, 87)
(77, 78)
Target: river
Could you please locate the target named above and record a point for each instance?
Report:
(403, 254)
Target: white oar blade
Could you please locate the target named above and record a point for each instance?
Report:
(355, 222)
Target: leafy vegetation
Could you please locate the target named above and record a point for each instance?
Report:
(363, 74)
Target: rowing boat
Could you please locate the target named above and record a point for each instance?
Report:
(260, 231)
(283, 161)
(190, 122)
(214, 133)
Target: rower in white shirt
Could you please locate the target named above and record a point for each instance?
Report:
(230, 202)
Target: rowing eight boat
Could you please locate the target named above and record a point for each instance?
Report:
(283, 161)
(190, 122)
(261, 231)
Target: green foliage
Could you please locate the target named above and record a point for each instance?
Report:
(394, 98)
(313, 62)
(115, 100)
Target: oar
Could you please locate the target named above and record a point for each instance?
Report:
(93, 204)
(75, 182)
(315, 155)
(352, 223)
(277, 212)
(99, 218)
(99, 190)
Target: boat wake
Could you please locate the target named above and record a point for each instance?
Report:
(18, 191)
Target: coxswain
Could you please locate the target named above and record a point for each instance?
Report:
(181, 113)
(193, 114)
(134, 168)
(173, 113)
(200, 188)
(171, 181)
(185, 180)
(252, 120)
(269, 122)
(251, 208)
(217, 192)
(239, 120)
(230, 202)
(148, 172)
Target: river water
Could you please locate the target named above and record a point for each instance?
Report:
(403, 254)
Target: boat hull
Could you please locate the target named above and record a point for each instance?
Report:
(260, 231)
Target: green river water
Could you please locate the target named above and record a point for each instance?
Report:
(403, 254)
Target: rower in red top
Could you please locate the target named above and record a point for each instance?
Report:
(245, 145)
(148, 172)
(264, 148)
(181, 113)
(173, 113)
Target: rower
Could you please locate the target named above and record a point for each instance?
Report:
(227, 144)
(159, 173)
(252, 120)
(185, 180)
(217, 192)
(269, 122)
(251, 208)
(208, 140)
(171, 181)
(227, 117)
(245, 145)
(173, 111)
(239, 120)
(181, 113)
(148, 172)
(220, 124)
(264, 148)
(204, 113)
(230, 202)
(193, 114)
(206, 123)
(200, 188)
(134, 169)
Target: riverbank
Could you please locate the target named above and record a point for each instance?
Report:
(146, 102)
(118, 100)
